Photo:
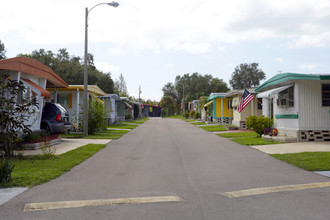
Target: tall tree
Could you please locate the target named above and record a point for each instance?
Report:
(168, 103)
(169, 90)
(71, 68)
(120, 86)
(2, 51)
(246, 76)
(192, 87)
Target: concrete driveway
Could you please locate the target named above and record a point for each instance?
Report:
(294, 147)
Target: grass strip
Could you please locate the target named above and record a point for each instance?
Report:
(238, 134)
(251, 141)
(34, 170)
(311, 161)
(140, 121)
(174, 116)
(125, 126)
(198, 123)
(213, 128)
(101, 135)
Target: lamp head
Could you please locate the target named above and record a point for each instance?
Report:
(113, 4)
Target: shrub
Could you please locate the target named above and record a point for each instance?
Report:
(96, 116)
(5, 170)
(128, 117)
(185, 114)
(14, 115)
(258, 124)
(197, 115)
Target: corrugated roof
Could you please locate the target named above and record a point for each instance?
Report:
(90, 88)
(288, 78)
(240, 92)
(35, 68)
(216, 95)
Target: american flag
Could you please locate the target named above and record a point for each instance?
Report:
(245, 100)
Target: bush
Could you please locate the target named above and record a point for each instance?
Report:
(128, 117)
(5, 170)
(258, 124)
(164, 112)
(185, 114)
(197, 115)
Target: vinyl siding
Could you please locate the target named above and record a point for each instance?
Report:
(312, 115)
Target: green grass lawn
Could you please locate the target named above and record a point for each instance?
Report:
(174, 116)
(198, 123)
(238, 134)
(113, 131)
(311, 161)
(213, 128)
(140, 121)
(101, 135)
(124, 126)
(253, 141)
(34, 170)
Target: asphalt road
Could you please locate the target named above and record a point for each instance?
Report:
(169, 157)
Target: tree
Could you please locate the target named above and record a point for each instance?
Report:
(13, 114)
(246, 76)
(120, 86)
(168, 103)
(2, 51)
(71, 68)
(169, 90)
(193, 86)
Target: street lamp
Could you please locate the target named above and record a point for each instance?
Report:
(113, 4)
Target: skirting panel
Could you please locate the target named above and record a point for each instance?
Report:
(314, 135)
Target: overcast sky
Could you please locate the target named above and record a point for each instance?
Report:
(150, 42)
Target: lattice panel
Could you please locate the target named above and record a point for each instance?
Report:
(314, 135)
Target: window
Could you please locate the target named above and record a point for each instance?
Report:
(259, 100)
(325, 94)
(286, 98)
(63, 100)
(24, 95)
(230, 106)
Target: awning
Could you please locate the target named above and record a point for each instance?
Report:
(209, 103)
(128, 105)
(272, 92)
(97, 99)
(35, 87)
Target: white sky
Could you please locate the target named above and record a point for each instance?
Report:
(150, 42)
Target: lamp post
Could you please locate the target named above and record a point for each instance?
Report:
(113, 4)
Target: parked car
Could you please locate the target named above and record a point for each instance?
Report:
(55, 118)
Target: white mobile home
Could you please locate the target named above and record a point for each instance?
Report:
(36, 77)
(299, 104)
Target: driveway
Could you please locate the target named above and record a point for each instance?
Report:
(168, 169)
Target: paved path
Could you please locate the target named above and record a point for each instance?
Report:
(169, 169)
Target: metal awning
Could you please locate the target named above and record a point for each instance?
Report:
(36, 87)
(272, 92)
(128, 105)
(209, 103)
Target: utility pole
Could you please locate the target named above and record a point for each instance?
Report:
(183, 102)
(140, 109)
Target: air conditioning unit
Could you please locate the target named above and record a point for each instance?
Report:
(283, 103)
